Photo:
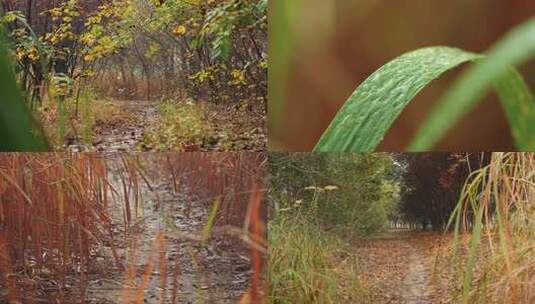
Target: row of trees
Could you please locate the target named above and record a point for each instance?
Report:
(353, 193)
(432, 185)
(362, 192)
(215, 50)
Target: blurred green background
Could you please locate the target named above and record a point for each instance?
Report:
(321, 50)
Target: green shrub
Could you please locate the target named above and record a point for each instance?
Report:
(349, 193)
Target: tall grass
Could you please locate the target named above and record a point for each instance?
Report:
(227, 176)
(53, 213)
(56, 211)
(497, 205)
(66, 119)
(305, 264)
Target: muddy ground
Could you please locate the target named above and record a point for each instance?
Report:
(217, 271)
(124, 135)
(233, 130)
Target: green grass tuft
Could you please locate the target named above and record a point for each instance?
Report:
(305, 267)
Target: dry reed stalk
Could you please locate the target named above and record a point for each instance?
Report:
(258, 233)
(500, 197)
(7, 272)
(228, 176)
(176, 277)
(54, 210)
(127, 210)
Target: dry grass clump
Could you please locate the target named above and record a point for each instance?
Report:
(498, 205)
(182, 126)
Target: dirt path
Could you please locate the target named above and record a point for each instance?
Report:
(398, 266)
(125, 134)
(416, 283)
(230, 129)
(217, 272)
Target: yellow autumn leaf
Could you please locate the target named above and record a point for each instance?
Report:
(238, 76)
(88, 57)
(179, 30)
(21, 55)
(263, 64)
(55, 13)
(33, 54)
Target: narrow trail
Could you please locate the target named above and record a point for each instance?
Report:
(398, 266)
(229, 129)
(416, 283)
(217, 272)
(127, 135)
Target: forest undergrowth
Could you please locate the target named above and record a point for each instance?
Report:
(110, 125)
(71, 62)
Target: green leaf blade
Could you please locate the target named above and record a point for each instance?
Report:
(210, 222)
(517, 47)
(519, 106)
(18, 130)
(370, 111)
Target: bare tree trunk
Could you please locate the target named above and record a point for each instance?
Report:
(6, 6)
(29, 5)
(145, 67)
